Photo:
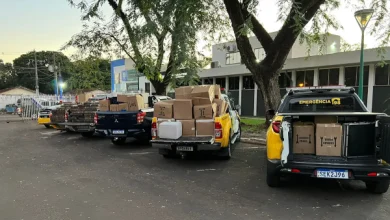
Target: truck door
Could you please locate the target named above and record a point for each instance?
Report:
(384, 134)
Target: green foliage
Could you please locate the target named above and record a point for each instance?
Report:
(24, 69)
(7, 75)
(152, 33)
(90, 73)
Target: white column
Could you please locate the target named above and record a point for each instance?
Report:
(371, 83)
(294, 78)
(316, 77)
(342, 75)
(202, 81)
(255, 101)
(227, 84)
(214, 80)
(240, 91)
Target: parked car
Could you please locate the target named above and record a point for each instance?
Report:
(365, 149)
(227, 132)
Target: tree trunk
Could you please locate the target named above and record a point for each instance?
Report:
(270, 91)
(159, 86)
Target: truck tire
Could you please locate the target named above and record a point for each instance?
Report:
(118, 141)
(87, 134)
(227, 151)
(378, 187)
(239, 134)
(273, 178)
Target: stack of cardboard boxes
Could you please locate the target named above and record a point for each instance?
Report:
(323, 137)
(195, 107)
(125, 103)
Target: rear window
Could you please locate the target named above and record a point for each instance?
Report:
(322, 104)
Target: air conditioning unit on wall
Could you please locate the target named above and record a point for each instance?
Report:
(215, 64)
(231, 48)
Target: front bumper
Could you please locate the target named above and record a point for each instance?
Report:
(357, 171)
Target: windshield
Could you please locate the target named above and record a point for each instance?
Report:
(321, 103)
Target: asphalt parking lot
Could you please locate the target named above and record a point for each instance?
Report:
(45, 174)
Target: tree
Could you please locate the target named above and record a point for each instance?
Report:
(296, 15)
(24, 67)
(90, 73)
(7, 75)
(151, 33)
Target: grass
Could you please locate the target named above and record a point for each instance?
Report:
(252, 125)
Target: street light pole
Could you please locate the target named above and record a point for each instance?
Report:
(362, 17)
(36, 74)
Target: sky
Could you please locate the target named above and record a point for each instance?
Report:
(48, 24)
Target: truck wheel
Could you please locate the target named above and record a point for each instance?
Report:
(227, 151)
(273, 178)
(87, 134)
(118, 141)
(238, 139)
(47, 126)
(378, 187)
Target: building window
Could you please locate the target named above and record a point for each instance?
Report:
(352, 76)
(248, 82)
(221, 82)
(328, 77)
(234, 83)
(208, 81)
(147, 87)
(233, 58)
(285, 79)
(382, 75)
(305, 78)
(260, 54)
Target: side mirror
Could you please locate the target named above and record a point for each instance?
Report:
(237, 107)
(270, 113)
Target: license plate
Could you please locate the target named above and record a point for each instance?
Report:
(332, 174)
(182, 148)
(118, 131)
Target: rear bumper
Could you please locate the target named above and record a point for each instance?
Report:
(197, 147)
(136, 133)
(357, 171)
(43, 121)
(79, 127)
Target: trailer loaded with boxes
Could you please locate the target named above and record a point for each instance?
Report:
(198, 119)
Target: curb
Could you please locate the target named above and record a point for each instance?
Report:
(255, 141)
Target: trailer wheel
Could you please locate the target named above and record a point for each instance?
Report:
(378, 187)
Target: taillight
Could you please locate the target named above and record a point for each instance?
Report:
(140, 117)
(66, 117)
(154, 130)
(51, 114)
(95, 118)
(218, 130)
(276, 126)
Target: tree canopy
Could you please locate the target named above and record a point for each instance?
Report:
(307, 20)
(152, 33)
(7, 75)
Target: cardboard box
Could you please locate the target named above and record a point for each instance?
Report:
(204, 92)
(200, 101)
(303, 138)
(163, 110)
(221, 105)
(205, 111)
(104, 108)
(328, 139)
(183, 92)
(135, 103)
(114, 107)
(121, 98)
(325, 119)
(188, 128)
(205, 127)
(182, 109)
(217, 91)
(123, 107)
(104, 103)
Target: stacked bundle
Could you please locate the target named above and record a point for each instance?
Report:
(124, 103)
(192, 113)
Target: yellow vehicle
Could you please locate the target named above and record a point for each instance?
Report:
(358, 151)
(44, 118)
(227, 131)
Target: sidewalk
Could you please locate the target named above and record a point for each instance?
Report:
(252, 138)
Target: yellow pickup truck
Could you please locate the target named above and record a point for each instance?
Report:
(227, 132)
(44, 117)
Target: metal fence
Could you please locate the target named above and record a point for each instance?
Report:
(26, 107)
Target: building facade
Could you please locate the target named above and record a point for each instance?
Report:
(324, 67)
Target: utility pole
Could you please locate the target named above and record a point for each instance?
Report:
(36, 74)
